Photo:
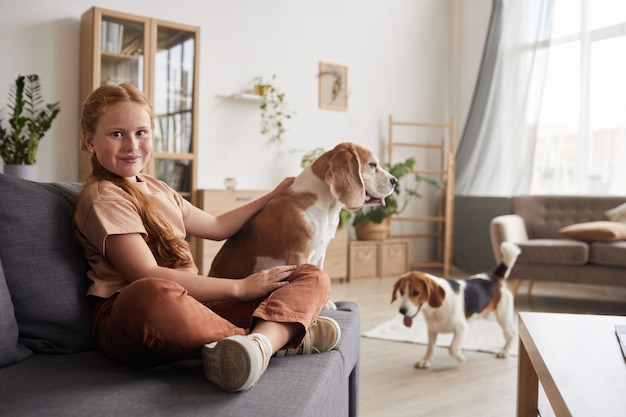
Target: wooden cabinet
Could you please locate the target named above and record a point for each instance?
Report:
(161, 59)
(378, 258)
(219, 201)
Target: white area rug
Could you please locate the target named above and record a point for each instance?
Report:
(483, 335)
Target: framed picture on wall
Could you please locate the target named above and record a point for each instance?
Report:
(333, 86)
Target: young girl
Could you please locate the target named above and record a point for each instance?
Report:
(151, 305)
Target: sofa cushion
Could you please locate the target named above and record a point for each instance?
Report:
(43, 265)
(553, 252)
(11, 350)
(592, 231)
(617, 214)
(608, 253)
(87, 384)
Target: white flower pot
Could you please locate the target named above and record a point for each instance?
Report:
(27, 172)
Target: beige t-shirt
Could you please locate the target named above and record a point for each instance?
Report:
(106, 210)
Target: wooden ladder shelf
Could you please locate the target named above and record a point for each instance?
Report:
(444, 217)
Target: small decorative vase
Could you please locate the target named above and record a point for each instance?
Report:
(230, 183)
(368, 230)
(27, 172)
(260, 89)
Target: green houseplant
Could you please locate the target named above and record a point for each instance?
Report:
(377, 217)
(30, 120)
(394, 203)
(274, 110)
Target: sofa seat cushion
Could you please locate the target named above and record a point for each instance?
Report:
(608, 253)
(553, 252)
(87, 384)
(43, 265)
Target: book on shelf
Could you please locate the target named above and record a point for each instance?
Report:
(114, 81)
(112, 37)
(176, 174)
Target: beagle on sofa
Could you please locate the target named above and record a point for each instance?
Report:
(448, 304)
(296, 226)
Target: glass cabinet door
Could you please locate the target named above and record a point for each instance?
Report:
(173, 101)
(122, 49)
(159, 58)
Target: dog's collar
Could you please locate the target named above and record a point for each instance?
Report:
(418, 310)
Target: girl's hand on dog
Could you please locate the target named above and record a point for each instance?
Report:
(286, 183)
(261, 283)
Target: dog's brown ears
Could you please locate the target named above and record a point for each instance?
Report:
(344, 178)
(396, 288)
(436, 294)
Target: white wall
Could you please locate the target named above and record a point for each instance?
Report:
(415, 59)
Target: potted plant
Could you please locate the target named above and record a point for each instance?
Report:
(274, 111)
(372, 222)
(30, 120)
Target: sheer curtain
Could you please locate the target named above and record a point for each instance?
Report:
(495, 154)
(581, 140)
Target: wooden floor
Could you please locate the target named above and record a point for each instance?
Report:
(482, 386)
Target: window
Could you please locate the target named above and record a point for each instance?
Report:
(581, 134)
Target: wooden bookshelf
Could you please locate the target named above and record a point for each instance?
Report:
(161, 59)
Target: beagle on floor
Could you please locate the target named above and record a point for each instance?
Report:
(448, 304)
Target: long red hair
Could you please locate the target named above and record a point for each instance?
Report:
(168, 249)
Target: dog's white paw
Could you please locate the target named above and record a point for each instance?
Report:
(503, 354)
(423, 364)
(458, 356)
(330, 306)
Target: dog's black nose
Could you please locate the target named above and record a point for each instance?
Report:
(403, 311)
(393, 181)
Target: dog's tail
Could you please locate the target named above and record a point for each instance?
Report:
(510, 251)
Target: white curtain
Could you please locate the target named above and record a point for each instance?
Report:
(581, 140)
(495, 154)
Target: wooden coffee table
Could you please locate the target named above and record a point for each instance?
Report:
(578, 361)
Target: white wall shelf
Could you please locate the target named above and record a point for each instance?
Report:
(241, 96)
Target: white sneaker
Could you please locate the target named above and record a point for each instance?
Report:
(235, 363)
(323, 335)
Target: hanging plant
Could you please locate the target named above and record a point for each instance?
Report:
(274, 111)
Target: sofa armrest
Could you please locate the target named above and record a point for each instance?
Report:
(506, 228)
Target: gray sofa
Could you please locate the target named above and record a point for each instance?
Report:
(584, 252)
(47, 363)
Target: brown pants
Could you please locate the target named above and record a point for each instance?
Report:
(153, 321)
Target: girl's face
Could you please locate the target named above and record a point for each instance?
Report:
(123, 139)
